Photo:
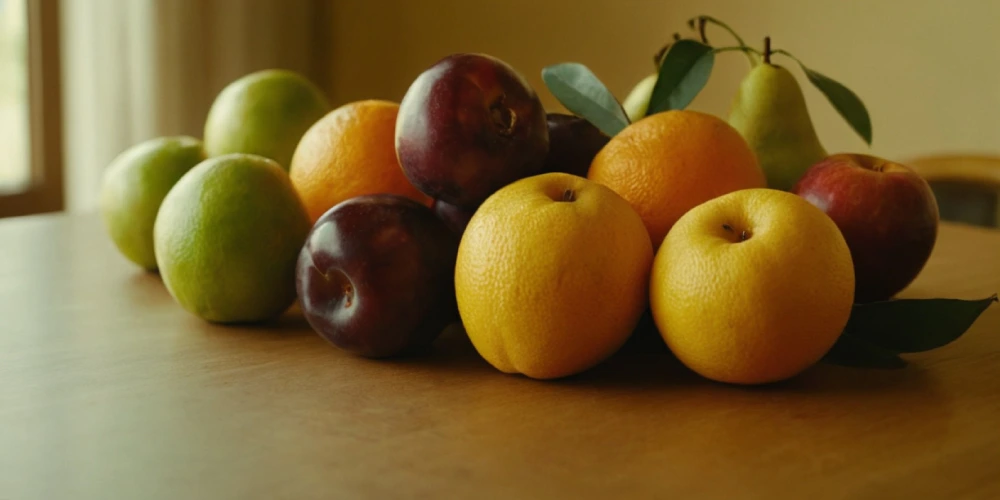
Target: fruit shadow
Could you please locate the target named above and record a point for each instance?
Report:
(645, 361)
(291, 323)
(828, 378)
(452, 351)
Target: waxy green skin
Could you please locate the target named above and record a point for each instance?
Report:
(133, 187)
(264, 113)
(770, 112)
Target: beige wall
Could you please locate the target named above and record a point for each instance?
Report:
(929, 71)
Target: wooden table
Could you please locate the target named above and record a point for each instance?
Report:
(110, 390)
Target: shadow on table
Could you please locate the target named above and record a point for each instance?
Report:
(645, 362)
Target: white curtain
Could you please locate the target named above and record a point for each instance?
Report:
(137, 69)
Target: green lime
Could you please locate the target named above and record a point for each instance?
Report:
(134, 185)
(264, 113)
(227, 239)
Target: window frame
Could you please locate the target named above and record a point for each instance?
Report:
(44, 192)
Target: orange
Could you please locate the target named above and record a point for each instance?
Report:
(752, 287)
(552, 275)
(670, 162)
(350, 152)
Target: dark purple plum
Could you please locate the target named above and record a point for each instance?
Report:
(376, 275)
(456, 218)
(468, 126)
(573, 144)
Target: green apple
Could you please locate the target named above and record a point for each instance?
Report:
(133, 187)
(264, 113)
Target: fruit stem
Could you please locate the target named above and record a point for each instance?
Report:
(701, 30)
(767, 50)
(569, 195)
(503, 117)
(743, 236)
(751, 55)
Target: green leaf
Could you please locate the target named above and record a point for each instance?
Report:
(577, 88)
(914, 325)
(684, 72)
(878, 332)
(845, 101)
(848, 104)
(854, 352)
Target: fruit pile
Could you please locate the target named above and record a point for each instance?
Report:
(546, 235)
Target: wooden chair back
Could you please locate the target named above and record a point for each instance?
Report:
(967, 187)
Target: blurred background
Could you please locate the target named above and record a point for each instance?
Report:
(81, 80)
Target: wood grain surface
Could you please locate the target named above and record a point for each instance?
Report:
(110, 390)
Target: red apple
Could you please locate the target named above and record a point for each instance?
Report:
(376, 275)
(469, 126)
(887, 213)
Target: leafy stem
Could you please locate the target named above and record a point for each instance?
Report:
(845, 101)
(703, 20)
(786, 54)
(744, 49)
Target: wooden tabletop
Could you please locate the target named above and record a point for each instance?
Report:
(110, 390)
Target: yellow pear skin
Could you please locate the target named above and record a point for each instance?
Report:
(770, 112)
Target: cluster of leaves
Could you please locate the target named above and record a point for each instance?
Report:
(877, 333)
(684, 69)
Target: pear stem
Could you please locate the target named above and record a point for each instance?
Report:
(767, 50)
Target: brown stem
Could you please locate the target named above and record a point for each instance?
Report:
(658, 56)
(767, 50)
(701, 29)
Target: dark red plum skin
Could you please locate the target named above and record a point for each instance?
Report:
(376, 276)
(468, 126)
(573, 144)
(456, 218)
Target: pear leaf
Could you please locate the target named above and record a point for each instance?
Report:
(914, 325)
(857, 353)
(878, 332)
(845, 101)
(683, 73)
(577, 88)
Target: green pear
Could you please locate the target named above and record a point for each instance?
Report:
(770, 112)
(637, 101)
